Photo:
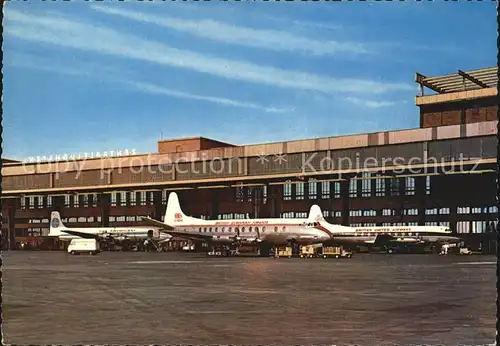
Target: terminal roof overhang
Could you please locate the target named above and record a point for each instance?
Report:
(475, 166)
(460, 81)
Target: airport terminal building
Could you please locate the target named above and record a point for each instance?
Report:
(442, 173)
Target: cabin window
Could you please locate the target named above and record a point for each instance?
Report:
(256, 229)
(229, 229)
(216, 229)
(249, 229)
(210, 229)
(205, 230)
(263, 229)
(276, 229)
(243, 229)
(222, 229)
(284, 228)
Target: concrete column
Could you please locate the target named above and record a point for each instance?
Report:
(58, 203)
(103, 202)
(274, 197)
(159, 210)
(345, 201)
(402, 189)
(331, 198)
(10, 207)
(421, 198)
(215, 204)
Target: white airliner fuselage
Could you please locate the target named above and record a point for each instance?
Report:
(239, 231)
(136, 233)
(388, 234)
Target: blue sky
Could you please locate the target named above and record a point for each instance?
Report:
(97, 76)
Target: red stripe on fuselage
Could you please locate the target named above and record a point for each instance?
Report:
(321, 228)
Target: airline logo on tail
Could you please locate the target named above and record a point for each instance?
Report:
(55, 223)
(178, 217)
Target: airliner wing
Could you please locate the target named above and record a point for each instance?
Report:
(156, 223)
(81, 234)
(383, 239)
(166, 228)
(190, 236)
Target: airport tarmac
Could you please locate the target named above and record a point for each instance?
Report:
(166, 298)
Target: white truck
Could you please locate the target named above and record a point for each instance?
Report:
(78, 246)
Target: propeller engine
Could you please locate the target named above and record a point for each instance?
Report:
(247, 239)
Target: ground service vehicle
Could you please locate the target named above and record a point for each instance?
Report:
(309, 251)
(78, 246)
(334, 251)
(283, 251)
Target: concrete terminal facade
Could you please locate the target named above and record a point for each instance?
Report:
(440, 173)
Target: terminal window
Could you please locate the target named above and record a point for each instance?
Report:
(369, 213)
(299, 191)
(240, 192)
(388, 212)
(353, 188)
(133, 198)
(427, 185)
(413, 211)
(287, 191)
(463, 227)
(444, 211)
(355, 213)
(432, 211)
(313, 190)
(336, 189)
(40, 202)
(463, 210)
(143, 197)
(366, 185)
(394, 186)
(85, 198)
(325, 189)
(380, 187)
(113, 199)
(410, 186)
(264, 194)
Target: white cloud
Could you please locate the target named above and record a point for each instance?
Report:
(25, 60)
(89, 37)
(240, 35)
(153, 89)
(369, 103)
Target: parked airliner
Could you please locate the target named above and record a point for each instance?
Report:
(273, 231)
(384, 235)
(136, 233)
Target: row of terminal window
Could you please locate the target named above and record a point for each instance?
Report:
(364, 187)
